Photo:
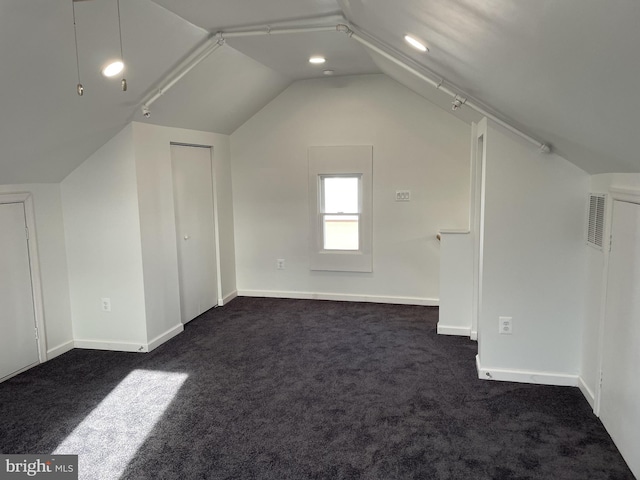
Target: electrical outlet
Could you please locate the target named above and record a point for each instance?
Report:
(280, 264)
(505, 325)
(106, 304)
(403, 195)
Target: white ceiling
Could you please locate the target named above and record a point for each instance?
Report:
(565, 71)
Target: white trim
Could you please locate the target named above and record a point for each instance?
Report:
(460, 331)
(476, 217)
(18, 372)
(59, 350)
(474, 335)
(621, 194)
(216, 224)
(453, 231)
(341, 297)
(624, 194)
(223, 301)
(351, 160)
(163, 337)
(586, 391)
(526, 376)
(112, 346)
(34, 264)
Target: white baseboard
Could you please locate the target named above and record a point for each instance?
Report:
(114, 346)
(60, 349)
(341, 297)
(18, 372)
(460, 331)
(163, 337)
(588, 394)
(526, 376)
(227, 298)
(474, 335)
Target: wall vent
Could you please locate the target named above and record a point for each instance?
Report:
(595, 227)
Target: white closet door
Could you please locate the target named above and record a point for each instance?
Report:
(620, 393)
(193, 198)
(18, 344)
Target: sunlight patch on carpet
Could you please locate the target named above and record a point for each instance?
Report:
(109, 437)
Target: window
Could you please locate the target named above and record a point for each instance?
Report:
(340, 208)
(340, 212)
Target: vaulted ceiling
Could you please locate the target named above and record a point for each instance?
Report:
(563, 71)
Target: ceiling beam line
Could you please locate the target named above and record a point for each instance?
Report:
(211, 44)
(278, 31)
(459, 98)
(217, 40)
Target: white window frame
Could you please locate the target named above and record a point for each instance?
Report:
(345, 161)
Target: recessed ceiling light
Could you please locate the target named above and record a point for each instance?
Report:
(328, 72)
(113, 69)
(317, 60)
(418, 45)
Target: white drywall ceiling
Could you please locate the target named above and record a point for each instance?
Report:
(219, 95)
(564, 71)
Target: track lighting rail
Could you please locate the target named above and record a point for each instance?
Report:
(217, 40)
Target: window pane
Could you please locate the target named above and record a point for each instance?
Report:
(341, 232)
(340, 194)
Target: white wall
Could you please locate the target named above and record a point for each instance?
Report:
(120, 233)
(533, 263)
(102, 230)
(456, 283)
(416, 146)
(53, 263)
(596, 279)
(157, 219)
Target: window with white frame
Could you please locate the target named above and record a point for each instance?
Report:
(340, 212)
(340, 208)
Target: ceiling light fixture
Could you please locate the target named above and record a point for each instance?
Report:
(79, 87)
(328, 72)
(418, 45)
(317, 60)
(110, 70)
(123, 82)
(113, 69)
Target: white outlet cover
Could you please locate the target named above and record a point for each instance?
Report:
(505, 325)
(106, 304)
(403, 195)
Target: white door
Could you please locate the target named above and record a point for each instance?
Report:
(18, 343)
(193, 199)
(620, 391)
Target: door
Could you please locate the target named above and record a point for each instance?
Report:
(193, 199)
(620, 390)
(18, 342)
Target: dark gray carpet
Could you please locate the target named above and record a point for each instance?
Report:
(294, 389)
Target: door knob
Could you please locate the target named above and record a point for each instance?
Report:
(187, 237)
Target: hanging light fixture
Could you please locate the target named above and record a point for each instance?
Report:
(123, 82)
(112, 68)
(79, 87)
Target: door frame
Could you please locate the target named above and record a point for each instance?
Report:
(26, 199)
(628, 195)
(476, 219)
(216, 216)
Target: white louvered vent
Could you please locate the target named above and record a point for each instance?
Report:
(595, 228)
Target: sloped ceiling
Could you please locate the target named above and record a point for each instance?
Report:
(46, 130)
(563, 71)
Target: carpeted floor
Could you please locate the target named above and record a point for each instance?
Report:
(297, 389)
